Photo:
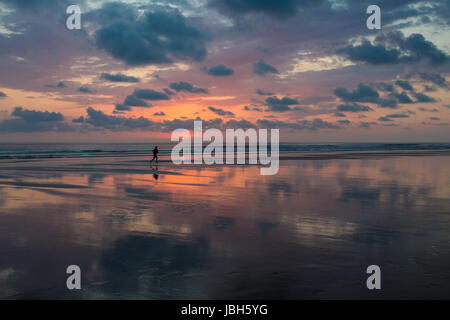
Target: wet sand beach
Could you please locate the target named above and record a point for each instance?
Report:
(222, 232)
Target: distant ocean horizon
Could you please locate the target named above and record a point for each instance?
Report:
(75, 150)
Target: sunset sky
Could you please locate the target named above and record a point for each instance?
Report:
(137, 70)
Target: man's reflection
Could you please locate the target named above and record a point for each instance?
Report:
(155, 174)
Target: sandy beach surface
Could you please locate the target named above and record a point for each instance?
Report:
(209, 232)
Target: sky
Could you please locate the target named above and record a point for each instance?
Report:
(137, 70)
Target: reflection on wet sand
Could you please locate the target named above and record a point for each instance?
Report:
(225, 232)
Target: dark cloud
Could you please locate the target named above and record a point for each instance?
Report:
(402, 97)
(97, 118)
(389, 117)
(367, 125)
(121, 107)
(299, 125)
(59, 85)
(118, 77)
(78, 120)
(2, 95)
(34, 121)
(220, 71)
(221, 112)
(434, 78)
(397, 115)
(133, 101)
(261, 68)
(84, 90)
(353, 108)
(423, 98)
(429, 110)
(435, 118)
(37, 116)
(364, 93)
(340, 114)
(238, 124)
(170, 125)
(421, 48)
(148, 94)
(344, 122)
(264, 93)
(405, 85)
(169, 92)
(278, 9)
(393, 47)
(385, 87)
(367, 52)
(151, 38)
(187, 87)
(159, 114)
(280, 105)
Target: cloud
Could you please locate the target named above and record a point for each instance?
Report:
(221, 112)
(99, 119)
(261, 68)
(402, 97)
(155, 37)
(405, 85)
(59, 85)
(367, 125)
(423, 98)
(148, 94)
(2, 95)
(435, 118)
(278, 9)
(344, 122)
(220, 71)
(84, 90)
(133, 101)
(373, 54)
(397, 115)
(34, 121)
(429, 110)
(264, 93)
(78, 120)
(122, 107)
(159, 114)
(280, 105)
(37, 116)
(389, 117)
(118, 77)
(170, 125)
(393, 47)
(186, 86)
(353, 108)
(168, 92)
(299, 125)
(364, 93)
(434, 78)
(238, 124)
(385, 87)
(40, 6)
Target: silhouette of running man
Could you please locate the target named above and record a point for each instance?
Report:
(155, 155)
